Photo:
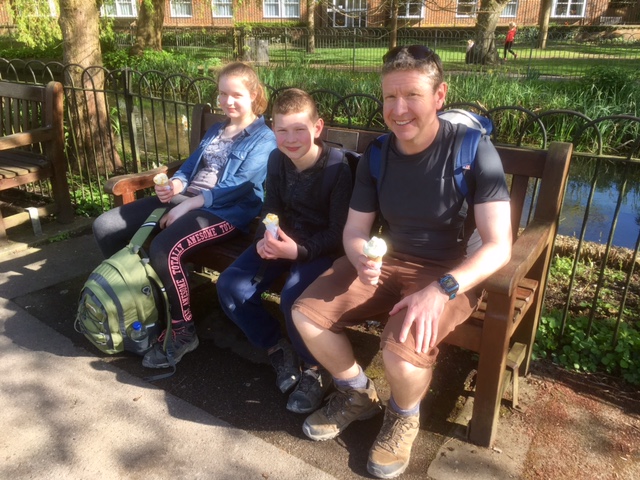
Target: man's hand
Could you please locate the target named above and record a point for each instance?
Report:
(368, 270)
(272, 248)
(424, 308)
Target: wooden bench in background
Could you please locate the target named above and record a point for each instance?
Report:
(503, 330)
(32, 145)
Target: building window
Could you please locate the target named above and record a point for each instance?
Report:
(44, 8)
(348, 13)
(510, 9)
(120, 8)
(181, 8)
(410, 9)
(568, 8)
(222, 8)
(282, 8)
(466, 8)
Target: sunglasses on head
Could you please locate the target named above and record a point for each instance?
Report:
(418, 52)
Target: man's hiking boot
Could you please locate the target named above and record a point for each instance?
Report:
(390, 453)
(185, 340)
(309, 393)
(286, 364)
(342, 408)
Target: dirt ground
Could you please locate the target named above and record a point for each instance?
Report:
(582, 426)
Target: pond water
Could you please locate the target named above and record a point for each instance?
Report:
(601, 214)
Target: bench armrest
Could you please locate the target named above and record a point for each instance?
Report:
(526, 251)
(124, 187)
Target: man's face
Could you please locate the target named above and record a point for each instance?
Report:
(296, 134)
(410, 107)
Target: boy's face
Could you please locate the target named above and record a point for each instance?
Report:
(296, 134)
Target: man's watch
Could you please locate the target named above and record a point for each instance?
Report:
(449, 285)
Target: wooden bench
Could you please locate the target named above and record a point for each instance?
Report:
(503, 329)
(32, 144)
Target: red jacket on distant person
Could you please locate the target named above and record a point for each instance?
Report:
(511, 35)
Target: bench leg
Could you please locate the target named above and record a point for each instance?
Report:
(489, 381)
(3, 231)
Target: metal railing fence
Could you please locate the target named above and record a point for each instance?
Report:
(149, 115)
(568, 53)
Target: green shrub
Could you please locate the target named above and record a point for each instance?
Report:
(608, 79)
(594, 353)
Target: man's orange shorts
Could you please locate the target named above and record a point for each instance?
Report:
(338, 299)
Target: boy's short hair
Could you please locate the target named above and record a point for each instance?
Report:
(295, 100)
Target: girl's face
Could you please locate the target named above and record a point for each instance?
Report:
(234, 98)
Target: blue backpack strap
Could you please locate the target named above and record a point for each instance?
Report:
(335, 159)
(465, 149)
(376, 167)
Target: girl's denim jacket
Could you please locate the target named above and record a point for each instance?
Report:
(237, 197)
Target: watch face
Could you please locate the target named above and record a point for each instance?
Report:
(449, 284)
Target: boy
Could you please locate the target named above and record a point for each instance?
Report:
(308, 187)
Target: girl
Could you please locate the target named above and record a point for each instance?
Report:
(508, 41)
(211, 199)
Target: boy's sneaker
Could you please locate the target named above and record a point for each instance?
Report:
(310, 391)
(185, 340)
(342, 408)
(286, 364)
(389, 455)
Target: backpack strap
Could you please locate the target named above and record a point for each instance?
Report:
(146, 228)
(465, 150)
(376, 165)
(335, 158)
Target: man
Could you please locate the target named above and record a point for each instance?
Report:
(427, 283)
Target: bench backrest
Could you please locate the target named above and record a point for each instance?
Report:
(30, 114)
(523, 167)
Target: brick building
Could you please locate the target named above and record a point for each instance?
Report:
(371, 13)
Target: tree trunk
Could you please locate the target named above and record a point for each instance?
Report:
(88, 112)
(545, 15)
(393, 24)
(484, 47)
(311, 25)
(149, 27)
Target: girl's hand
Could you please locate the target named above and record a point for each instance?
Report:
(165, 193)
(179, 210)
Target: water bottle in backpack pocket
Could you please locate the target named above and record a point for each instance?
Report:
(120, 292)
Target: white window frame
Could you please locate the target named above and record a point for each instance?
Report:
(354, 13)
(52, 10)
(178, 6)
(467, 3)
(569, 4)
(285, 8)
(222, 6)
(510, 10)
(404, 9)
(115, 8)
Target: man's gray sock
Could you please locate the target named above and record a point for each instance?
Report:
(359, 381)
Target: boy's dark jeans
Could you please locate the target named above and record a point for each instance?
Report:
(241, 285)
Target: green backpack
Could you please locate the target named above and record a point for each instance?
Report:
(122, 290)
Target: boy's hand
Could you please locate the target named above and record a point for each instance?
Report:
(272, 248)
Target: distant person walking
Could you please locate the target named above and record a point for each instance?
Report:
(508, 42)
